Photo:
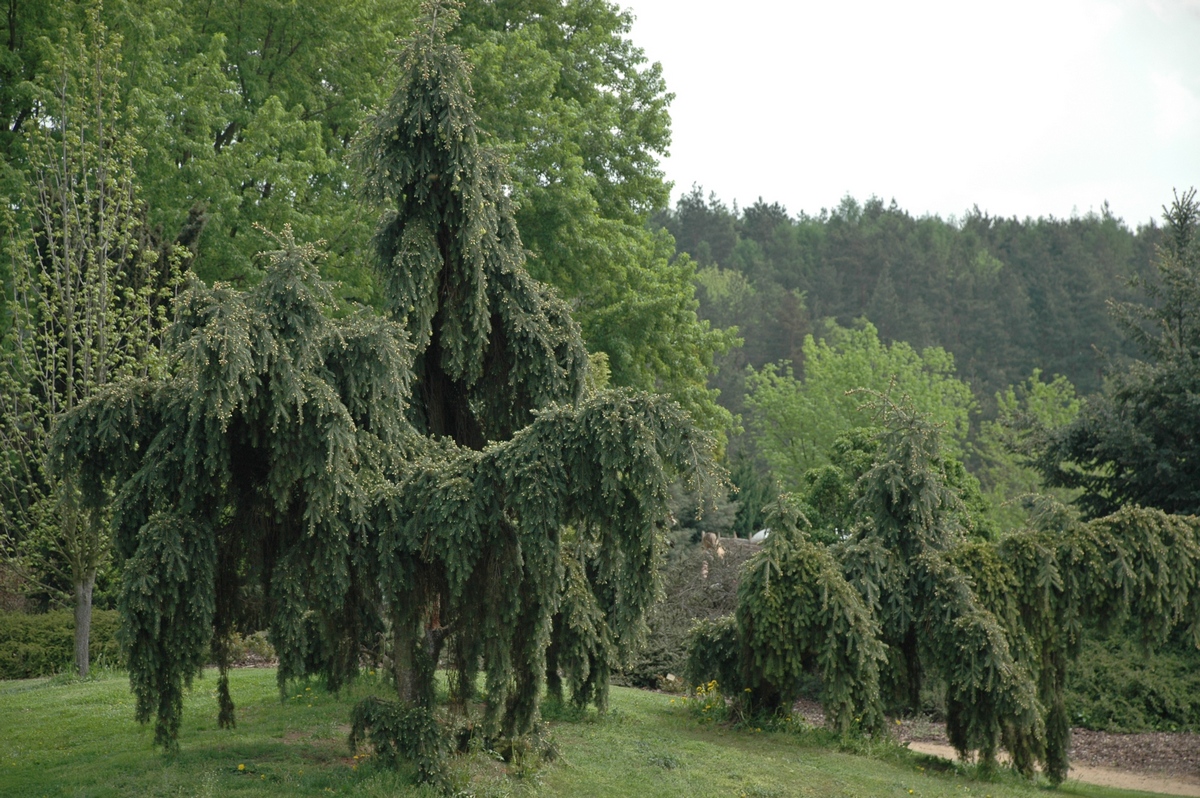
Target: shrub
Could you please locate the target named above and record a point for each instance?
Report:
(401, 733)
(714, 654)
(796, 615)
(1115, 686)
(42, 645)
(697, 585)
(253, 649)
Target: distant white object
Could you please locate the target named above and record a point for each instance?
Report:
(760, 536)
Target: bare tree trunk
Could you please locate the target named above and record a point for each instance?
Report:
(83, 621)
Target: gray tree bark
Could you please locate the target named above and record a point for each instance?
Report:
(83, 622)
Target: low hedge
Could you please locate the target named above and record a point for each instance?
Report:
(42, 645)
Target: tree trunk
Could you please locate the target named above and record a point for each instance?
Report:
(403, 665)
(83, 621)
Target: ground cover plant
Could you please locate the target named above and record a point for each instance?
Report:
(62, 737)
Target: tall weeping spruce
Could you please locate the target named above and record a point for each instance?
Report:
(477, 543)
(286, 463)
(933, 623)
(239, 478)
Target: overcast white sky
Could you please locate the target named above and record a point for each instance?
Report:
(1022, 107)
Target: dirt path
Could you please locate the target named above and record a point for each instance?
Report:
(1091, 774)
(1151, 762)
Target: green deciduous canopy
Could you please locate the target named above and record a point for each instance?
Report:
(248, 111)
(582, 119)
(1007, 446)
(87, 304)
(796, 421)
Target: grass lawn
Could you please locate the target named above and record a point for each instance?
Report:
(61, 737)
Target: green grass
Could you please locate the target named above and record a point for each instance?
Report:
(62, 737)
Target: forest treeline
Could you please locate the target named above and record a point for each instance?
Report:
(1003, 296)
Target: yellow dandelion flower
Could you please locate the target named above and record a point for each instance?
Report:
(241, 767)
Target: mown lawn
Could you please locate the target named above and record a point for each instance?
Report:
(61, 737)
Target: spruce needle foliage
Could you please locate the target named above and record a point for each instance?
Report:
(448, 493)
(249, 463)
(932, 622)
(1134, 442)
(492, 344)
(796, 611)
(495, 350)
(913, 601)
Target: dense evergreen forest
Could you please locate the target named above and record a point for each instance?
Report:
(1004, 296)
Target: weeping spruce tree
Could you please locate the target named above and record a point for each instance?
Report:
(435, 480)
(912, 601)
(562, 518)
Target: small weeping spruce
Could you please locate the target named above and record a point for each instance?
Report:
(249, 466)
(440, 480)
(912, 601)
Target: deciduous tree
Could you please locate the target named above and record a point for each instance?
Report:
(795, 420)
(88, 304)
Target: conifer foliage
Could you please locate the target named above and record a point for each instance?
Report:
(435, 480)
(1134, 442)
(247, 464)
(491, 344)
(911, 601)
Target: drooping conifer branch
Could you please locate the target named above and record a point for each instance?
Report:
(366, 488)
(992, 622)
